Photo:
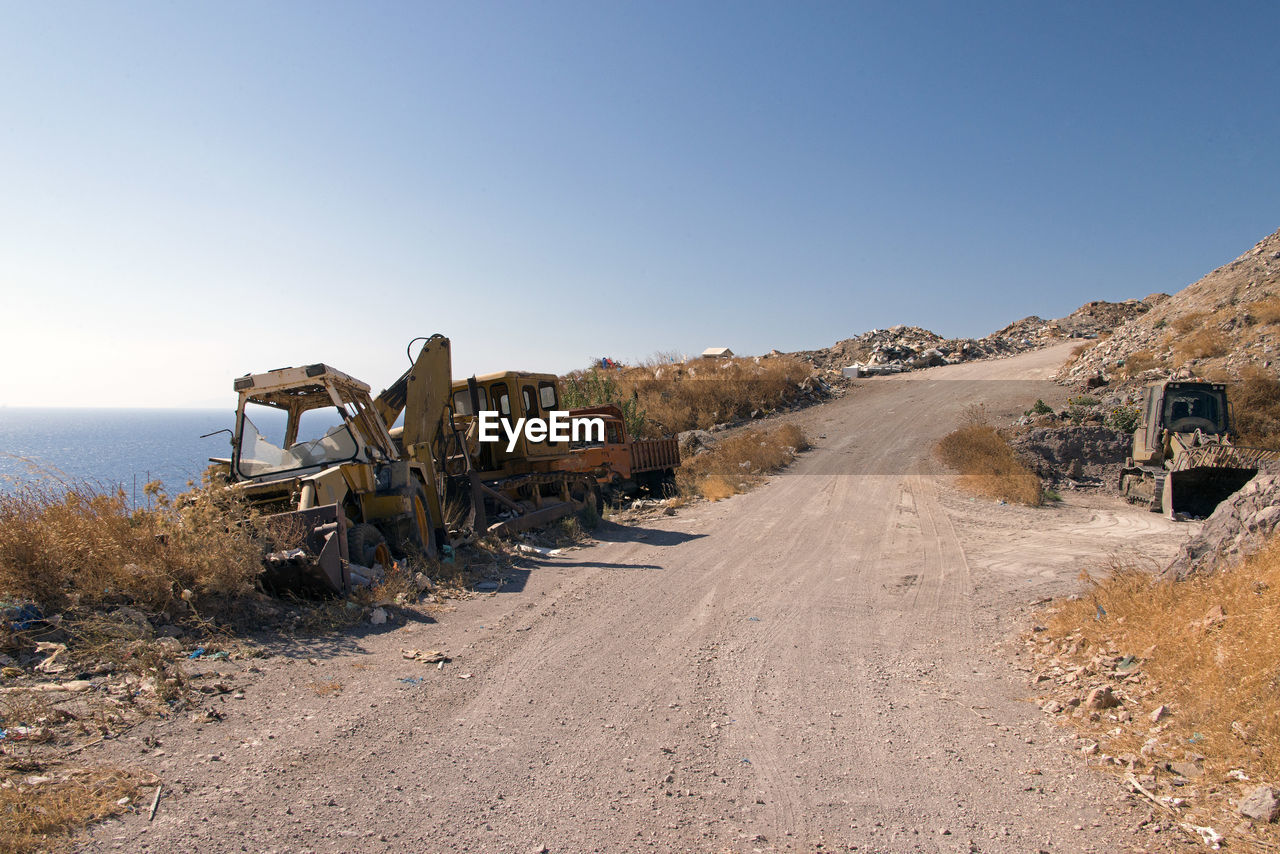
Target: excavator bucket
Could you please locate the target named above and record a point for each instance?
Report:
(1198, 491)
(319, 566)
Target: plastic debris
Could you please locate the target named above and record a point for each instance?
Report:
(23, 617)
(538, 550)
(196, 653)
(411, 680)
(50, 664)
(431, 656)
(220, 655)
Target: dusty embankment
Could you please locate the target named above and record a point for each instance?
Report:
(813, 665)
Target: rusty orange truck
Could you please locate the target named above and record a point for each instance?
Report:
(629, 463)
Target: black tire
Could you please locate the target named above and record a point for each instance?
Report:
(363, 541)
(587, 493)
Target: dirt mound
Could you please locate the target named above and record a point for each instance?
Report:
(1083, 455)
(1214, 327)
(1238, 528)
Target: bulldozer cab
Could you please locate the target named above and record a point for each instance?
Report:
(1189, 407)
(513, 395)
(297, 421)
(1179, 406)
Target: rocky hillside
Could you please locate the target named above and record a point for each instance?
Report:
(910, 347)
(1212, 328)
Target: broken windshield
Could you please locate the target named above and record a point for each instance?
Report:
(258, 455)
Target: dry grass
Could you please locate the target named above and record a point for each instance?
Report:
(41, 811)
(1138, 362)
(1203, 647)
(987, 465)
(81, 547)
(740, 461)
(1265, 311)
(669, 397)
(1187, 322)
(1255, 396)
(326, 689)
(1203, 344)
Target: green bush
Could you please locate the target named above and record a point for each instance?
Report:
(1124, 418)
(596, 388)
(1040, 408)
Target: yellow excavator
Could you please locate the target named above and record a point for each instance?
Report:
(1184, 463)
(363, 490)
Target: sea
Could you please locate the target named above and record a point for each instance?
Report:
(110, 448)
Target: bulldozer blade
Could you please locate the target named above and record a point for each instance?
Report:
(1198, 491)
(319, 566)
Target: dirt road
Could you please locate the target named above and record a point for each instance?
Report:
(811, 666)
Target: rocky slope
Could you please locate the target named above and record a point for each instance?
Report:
(1212, 328)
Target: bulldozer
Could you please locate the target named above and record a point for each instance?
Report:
(363, 489)
(1184, 463)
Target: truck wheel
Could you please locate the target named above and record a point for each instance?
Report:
(366, 546)
(587, 493)
(416, 532)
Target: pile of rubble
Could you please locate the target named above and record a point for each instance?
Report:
(906, 348)
(1074, 456)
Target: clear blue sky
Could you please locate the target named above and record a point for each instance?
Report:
(190, 191)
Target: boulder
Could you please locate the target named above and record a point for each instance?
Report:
(1261, 804)
(1238, 528)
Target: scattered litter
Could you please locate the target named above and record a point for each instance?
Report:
(538, 550)
(1102, 612)
(447, 552)
(196, 653)
(155, 802)
(378, 616)
(220, 655)
(488, 585)
(464, 675)
(753, 619)
(1126, 663)
(746, 761)
(411, 680)
(50, 664)
(23, 617)
(74, 686)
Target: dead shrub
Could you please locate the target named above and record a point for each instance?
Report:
(1187, 322)
(740, 461)
(668, 398)
(45, 815)
(988, 466)
(82, 547)
(1255, 398)
(1138, 362)
(1265, 311)
(1203, 344)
